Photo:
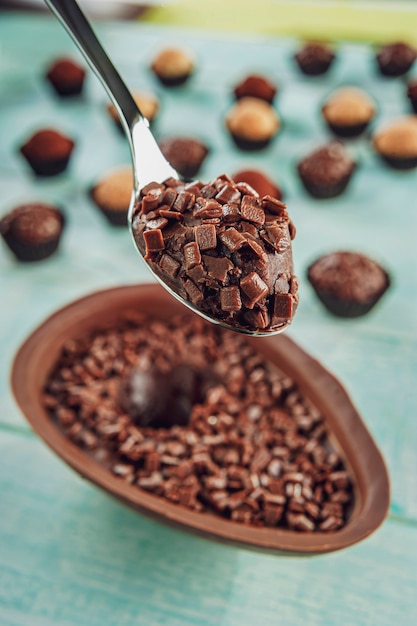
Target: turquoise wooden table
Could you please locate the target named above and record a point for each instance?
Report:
(69, 555)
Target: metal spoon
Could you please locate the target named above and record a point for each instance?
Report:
(149, 164)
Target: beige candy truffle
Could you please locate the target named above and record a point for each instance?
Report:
(396, 142)
(252, 123)
(173, 66)
(112, 194)
(348, 111)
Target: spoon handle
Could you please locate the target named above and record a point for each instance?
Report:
(75, 22)
(149, 164)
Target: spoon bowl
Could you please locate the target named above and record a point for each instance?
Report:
(150, 166)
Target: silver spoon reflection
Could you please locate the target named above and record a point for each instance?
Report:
(149, 164)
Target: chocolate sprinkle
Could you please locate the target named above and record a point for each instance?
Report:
(195, 415)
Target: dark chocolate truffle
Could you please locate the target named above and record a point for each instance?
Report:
(314, 59)
(48, 152)
(32, 231)
(395, 59)
(66, 77)
(255, 86)
(326, 172)
(185, 154)
(349, 284)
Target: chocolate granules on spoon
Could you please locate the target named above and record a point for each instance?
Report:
(222, 248)
(252, 449)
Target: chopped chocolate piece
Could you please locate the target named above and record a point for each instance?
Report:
(195, 294)
(182, 201)
(192, 255)
(197, 274)
(154, 185)
(150, 202)
(154, 242)
(207, 208)
(228, 194)
(226, 236)
(273, 205)
(230, 299)
(170, 215)
(251, 211)
(277, 236)
(230, 213)
(261, 259)
(218, 267)
(169, 196)
(232, 239)
(254, 287)
(158, 222)
(205, 235)
(283, 307)
(169, 265)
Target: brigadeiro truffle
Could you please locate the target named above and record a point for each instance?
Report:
(256, 86)
(112, 194)
(348, 111)
(252, 123)
(148, 105)
(173, 66)
(32, 231)
(396, 143)
(185, 154)
(314, 58)
(259, 181)
(326, 172)
(412, 94)
(66, 77)
(222, 248)
(395, 59)
(349, 284)
(48, 152)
